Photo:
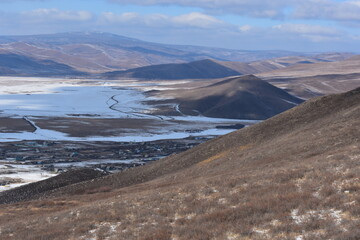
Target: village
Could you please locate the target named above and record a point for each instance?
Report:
(60, 156)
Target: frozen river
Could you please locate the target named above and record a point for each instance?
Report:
(34, 98)
(104, 101)
(66, 109)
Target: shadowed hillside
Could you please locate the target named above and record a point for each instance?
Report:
(18, 65)
(202, 69)
(211, 68)
(294, 176)
(245, 97)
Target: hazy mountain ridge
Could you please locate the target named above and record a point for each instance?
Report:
(319, 78)
(210, 68)
(96, 52)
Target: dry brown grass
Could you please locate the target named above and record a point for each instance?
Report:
(245, 205)
(295, 182)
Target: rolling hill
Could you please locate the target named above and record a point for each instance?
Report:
(202, 69)
(309, 80)
(268, 65)
(18, 65)
(244, 97)
(211, 68)
(96, 52)
(294, 176)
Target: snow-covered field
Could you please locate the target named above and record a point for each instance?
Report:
(24, 174)
(141, 137)
(69, 98)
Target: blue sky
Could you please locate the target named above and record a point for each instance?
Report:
(299, 25)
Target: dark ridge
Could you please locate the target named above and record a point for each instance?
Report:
(202, 69)
(37, 189)
(15, 64)
(246, 97)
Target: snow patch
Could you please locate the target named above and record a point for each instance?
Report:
(26, 173)
(335, 215)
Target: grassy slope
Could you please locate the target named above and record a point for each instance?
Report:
(293, 175)
(246, 97)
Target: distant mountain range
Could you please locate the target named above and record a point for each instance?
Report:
(103, 52)
(210, 68)
(309, 80)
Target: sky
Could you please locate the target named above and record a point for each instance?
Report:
(296, 25)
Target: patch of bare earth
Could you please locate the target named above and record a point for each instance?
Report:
(87, 127)
(10, 125)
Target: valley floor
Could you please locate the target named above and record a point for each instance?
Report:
(50, 125)
(30, 161)
(94, 110)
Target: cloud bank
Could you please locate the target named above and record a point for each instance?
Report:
(314, 25)
(275, 9)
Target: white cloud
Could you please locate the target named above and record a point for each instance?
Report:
(306, 29)
(245, 28)
(347, 10)
(328, 10)
(256, 8)
(125, 17)
(54, 14)
(279, 9)
(314, 33)
(194, 28)
(194, 19)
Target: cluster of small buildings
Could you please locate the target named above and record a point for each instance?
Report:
(60, 156)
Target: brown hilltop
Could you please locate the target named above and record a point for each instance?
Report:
(245, 97)
(294, 175)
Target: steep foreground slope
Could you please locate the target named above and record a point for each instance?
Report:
(294, 176)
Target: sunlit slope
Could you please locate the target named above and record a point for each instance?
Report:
(309, 80)
(294, 175)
